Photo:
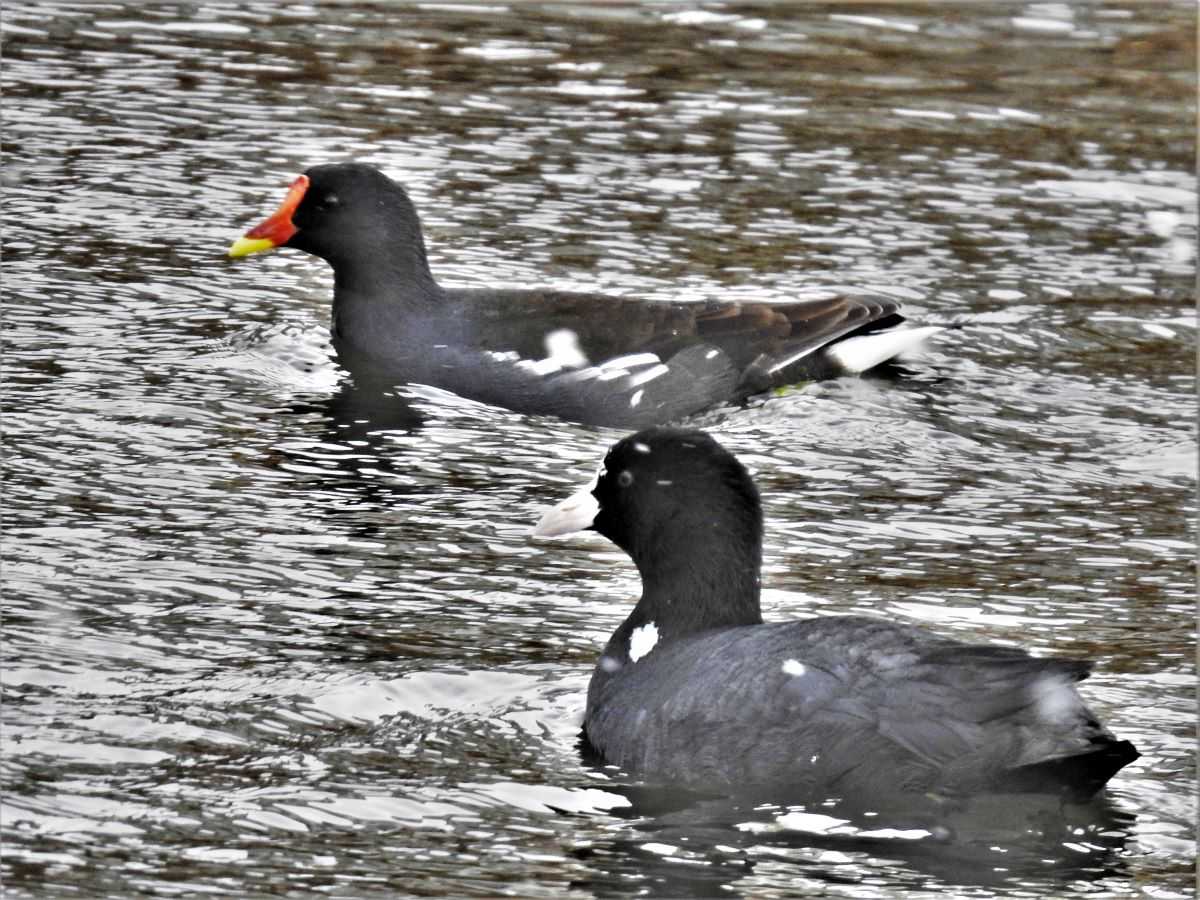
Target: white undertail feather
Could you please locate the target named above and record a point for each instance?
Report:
(858, 354)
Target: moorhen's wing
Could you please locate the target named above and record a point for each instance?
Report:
(632, 391)
(766, 340)
(777, 344)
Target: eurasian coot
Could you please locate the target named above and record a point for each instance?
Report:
(694, 689)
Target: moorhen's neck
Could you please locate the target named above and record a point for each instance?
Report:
(386, 268)
(695, 582)
(387, 309)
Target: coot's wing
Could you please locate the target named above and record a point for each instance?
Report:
(855, 707)
(995, 717)
(758, 706)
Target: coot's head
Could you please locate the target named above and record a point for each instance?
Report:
(675, 500)
(343, 213)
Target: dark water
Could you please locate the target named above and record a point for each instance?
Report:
(249, 652)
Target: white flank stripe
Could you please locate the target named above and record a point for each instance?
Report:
(630, 361)
(649, 375)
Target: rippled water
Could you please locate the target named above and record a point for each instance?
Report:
(252, 650)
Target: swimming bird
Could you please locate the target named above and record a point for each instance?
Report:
(695, 689)
(585, 357)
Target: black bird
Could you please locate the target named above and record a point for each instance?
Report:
(585, 357)
(695, 690)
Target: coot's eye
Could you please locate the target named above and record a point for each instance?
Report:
(625, 479)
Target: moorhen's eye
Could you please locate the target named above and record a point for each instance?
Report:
(329, 201)
(625, 479)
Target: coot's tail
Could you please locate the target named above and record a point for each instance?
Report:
(1079, 776)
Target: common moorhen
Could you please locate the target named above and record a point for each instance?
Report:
(589, 358)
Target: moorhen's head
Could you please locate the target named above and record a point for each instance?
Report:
(345, 213)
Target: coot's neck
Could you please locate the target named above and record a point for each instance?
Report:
(699, 582)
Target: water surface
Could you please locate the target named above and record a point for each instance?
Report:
(251, 650)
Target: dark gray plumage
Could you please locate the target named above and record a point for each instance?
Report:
(635, 362)
(843, 706)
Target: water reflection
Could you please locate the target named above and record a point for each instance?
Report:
(703, 847)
